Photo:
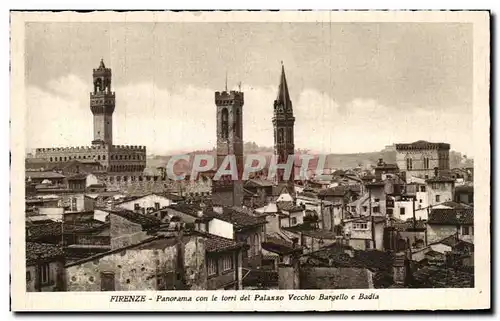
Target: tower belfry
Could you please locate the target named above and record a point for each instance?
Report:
(102, 105)
(229, 106)
(283, 123)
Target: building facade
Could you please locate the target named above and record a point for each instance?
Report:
(283, 124)
(226, 190)
(419, 159)
(113, 158)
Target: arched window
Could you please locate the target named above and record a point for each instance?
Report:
(409, 163)
(225, 124)
(103, 157)
(237, 125)
(51, 159)
(98, 157)
(280, 135)
(289, 135)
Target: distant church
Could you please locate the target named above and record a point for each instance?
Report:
(113, 158)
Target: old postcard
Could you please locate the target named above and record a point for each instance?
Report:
(250, 161)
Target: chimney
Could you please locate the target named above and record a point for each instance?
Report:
(380, 161)
(218, 209)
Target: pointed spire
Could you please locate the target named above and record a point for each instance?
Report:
(101, 64)
(283, 94)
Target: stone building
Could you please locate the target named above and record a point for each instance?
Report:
(419, 159)
(283, 123)
(113, 158)
(44, 267)
(227, 191)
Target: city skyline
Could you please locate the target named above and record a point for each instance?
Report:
(174, 96)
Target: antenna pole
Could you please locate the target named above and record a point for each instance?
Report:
(226, 80)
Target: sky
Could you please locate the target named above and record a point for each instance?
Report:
(355, 87)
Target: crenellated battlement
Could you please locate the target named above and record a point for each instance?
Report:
(229, 98)
(73, 149)
(129, 148)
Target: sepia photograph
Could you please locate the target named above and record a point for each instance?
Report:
(235, 160)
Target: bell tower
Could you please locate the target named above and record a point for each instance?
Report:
(283, 124)
(102, 105)
(229, 104)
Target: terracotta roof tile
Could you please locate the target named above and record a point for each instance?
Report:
(42, 251)
(453, 216)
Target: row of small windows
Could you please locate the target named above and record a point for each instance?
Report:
(68, 158)
(126, 168)
(97, 157)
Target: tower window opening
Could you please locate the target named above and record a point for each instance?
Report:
(225, 124)
(280, 135)
(237, 127)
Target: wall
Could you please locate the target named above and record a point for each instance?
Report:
(335, 278)
(124, 232)
(408, 208)
(288, 277)
(443, 189)
(138, 269)
(223, 279)
(436, 233)
(146, 201)
(437, 158)
(56, 270)
(221, 228)
(100, 215)
(53, 213)
(441, 248)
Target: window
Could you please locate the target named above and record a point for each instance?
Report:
(227, 263)
(438, 198)
(402, 211)
(409, 163)
(465, 230)
(136, 206)
(376, 209)
(237, 127)
(107, 281)
(360, 226)
(211, 266)
(289, 135)
(377, 200)
(157, 206)
(389, 211)
(420, 200)
(368, 244)
(45, 274)
(280, 135)
(293, 220)
(426, 163)
(28, 276)
(365, 208)
(73, 204)
(225, 124)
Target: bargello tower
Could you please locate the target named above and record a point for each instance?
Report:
(283, 123)
(226, 191)
(102, 105)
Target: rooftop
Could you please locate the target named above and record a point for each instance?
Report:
(43, 175)
(42, 251)
(143, 220)
(288, 207)
(442, 277)
(315, 233)
(452, 216)
(279, 246)
(215, 243)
